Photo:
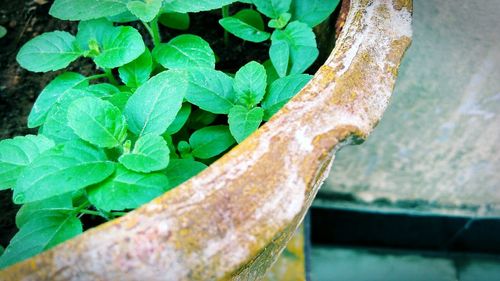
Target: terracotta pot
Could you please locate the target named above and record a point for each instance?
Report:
(233, 220)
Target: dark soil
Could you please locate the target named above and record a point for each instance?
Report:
(19, 88)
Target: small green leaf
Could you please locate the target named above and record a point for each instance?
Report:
(17, 153)
(146, 11)
(40, 233)
(49, 51)
(97, 121)
(124, 17)
(180, 170)
(153, 107)
(87, 9)
(56, 124)
(92, 31)
(185, 51)
(120, 99)
(243, 30)
(211, 90)
(250, 84)
(180, 119)
(53, 92)
(312, 12)
(272, 75)
(211, 141)
(150, 154)
(103, 90)
(3, 32)
(302, 50)
(62, 169)
(251, 17)
(127, 190)
(183, 6)
(281, 21)
(179, 21)
(61, 203)
(120, 47)
(137, 72)
(281, 91)
(272, 8)
(200, 118)
(244, 121)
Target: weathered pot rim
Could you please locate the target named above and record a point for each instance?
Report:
(223, 223)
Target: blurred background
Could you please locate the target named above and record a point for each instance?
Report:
(420, 199)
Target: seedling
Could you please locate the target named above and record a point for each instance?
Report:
(104, 148)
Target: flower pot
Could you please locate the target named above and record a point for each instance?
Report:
(233, 220)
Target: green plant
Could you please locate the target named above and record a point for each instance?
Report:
(107, 147)
(3, 31)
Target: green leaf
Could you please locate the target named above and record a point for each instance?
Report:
(17, 153)
(40, 233)
(183, 6)
(243, 30)
(97, 121)
(272, 8)
(280, 57)
(251, 17)
(244, 121)
(87, 9)
(3, 32)
(185, 51)
(281, 21)
(200, 118)
(301, 43)
(146, 11)
(56, 124)
(127, 190)
(150, 154)
(180, 120)
(103, 90)
(312, 12)
(50, 51)
(53, 92)
(153, 107)
(250, 84)
(210, 90)
(137, 72)
(119, 47)
(180, 170)
(281, 91)
(272, 75)
(179, 21)
(92, 31)
(211, 141)
(120, 99)
(62, 169)
(61, 203)
(124, 17)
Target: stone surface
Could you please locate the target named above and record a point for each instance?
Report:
(234, 219)
(437, 149)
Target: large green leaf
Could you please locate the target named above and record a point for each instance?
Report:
(17, 153)
(183, 6)
(64, 168)
(312, 12)
(244, 121)
(43, 231)
(146, 11)
(61, 203)
(180, 170)
(50, 51)
(211, 90)
(56, 124)
(137, 72)
(302, 49)
(281, 91)
(185, 51)
(272, 8)
(175, 20)
(127, 190)
(53, 92)
(250, 84)
(97, 121)
(150, 154)
(92, 31)
(87, 9)
(153, 107)
(211, 141)
(243, 30)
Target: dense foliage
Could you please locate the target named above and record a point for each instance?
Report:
(105, 148)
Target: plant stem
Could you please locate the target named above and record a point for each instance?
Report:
(154, 31)
(109, 75)
(225, 14)
(97, 76)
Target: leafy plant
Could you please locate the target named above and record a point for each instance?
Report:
(104, 148)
